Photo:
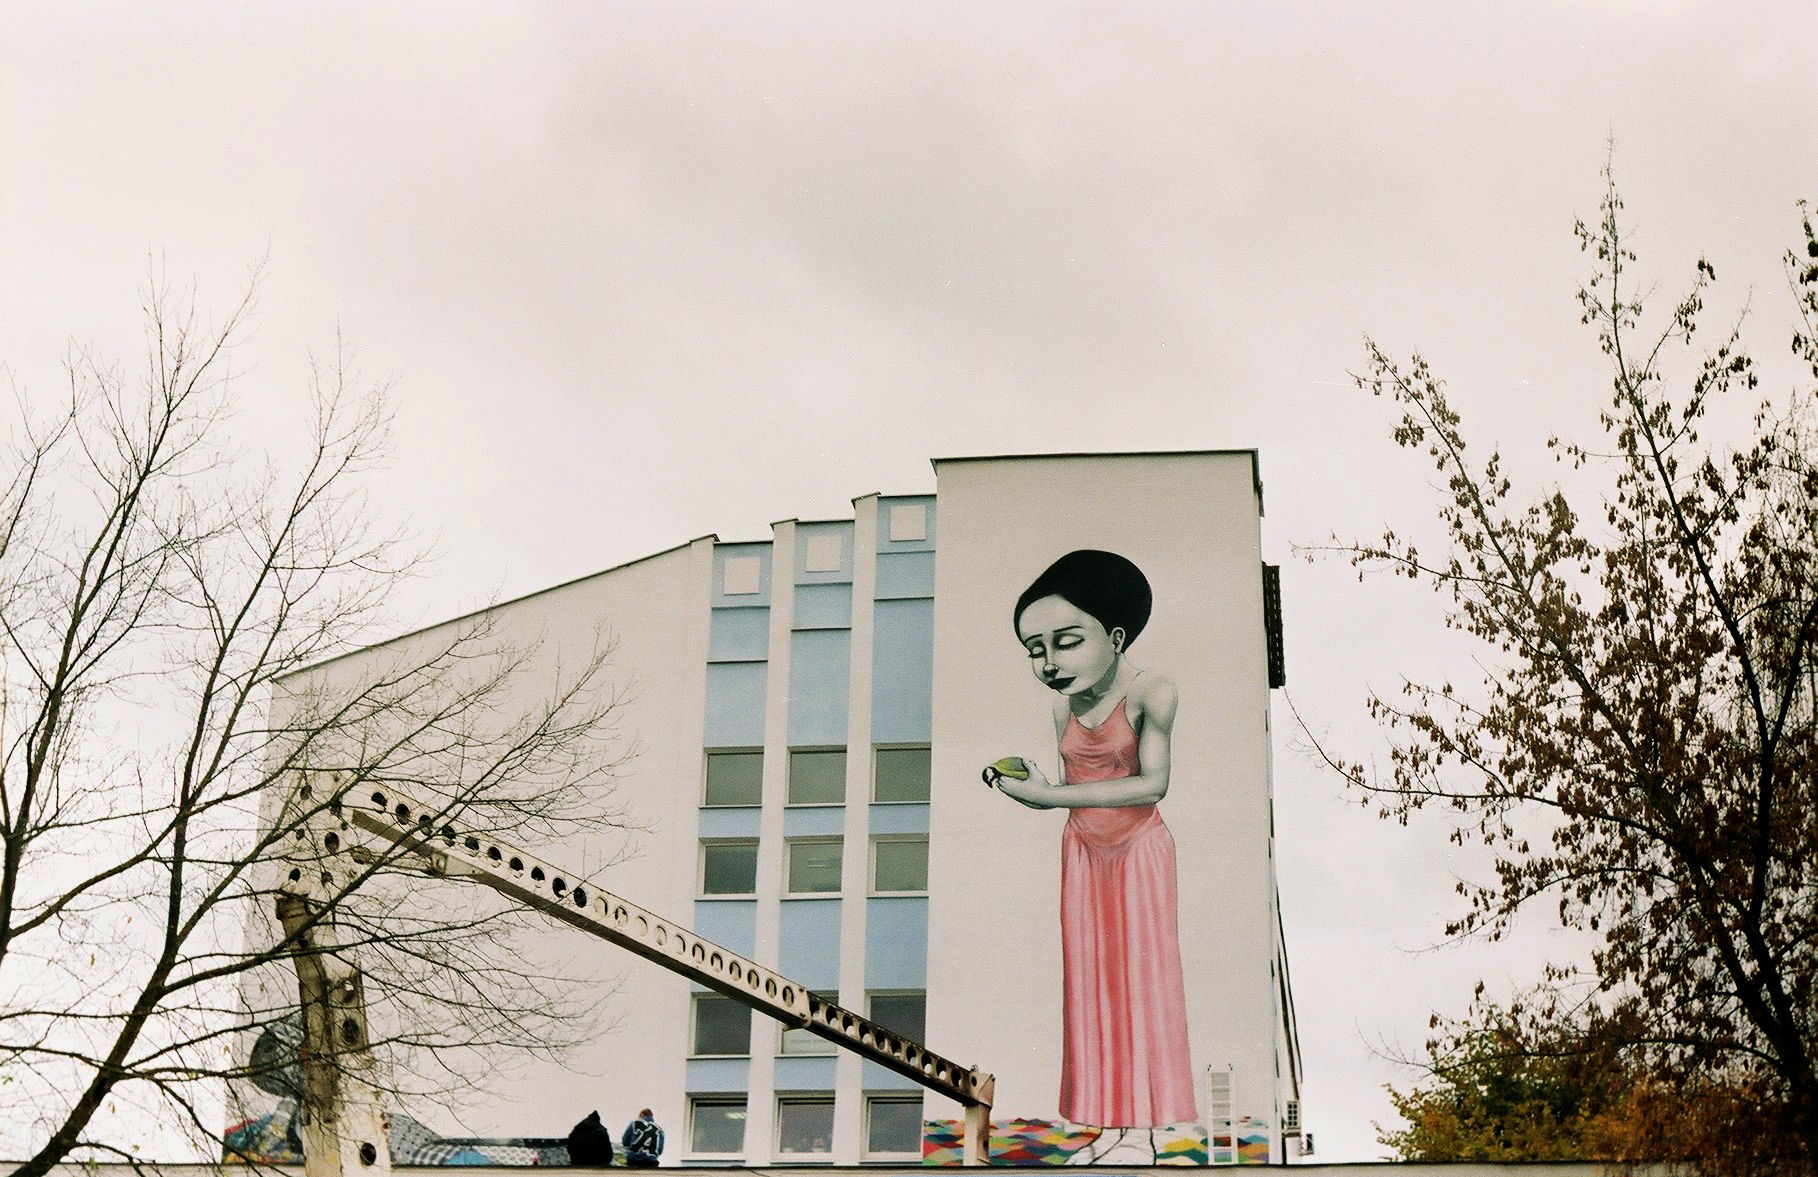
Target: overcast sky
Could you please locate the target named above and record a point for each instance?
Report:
(641, 272)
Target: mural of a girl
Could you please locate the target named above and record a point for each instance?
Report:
(1124, 1054)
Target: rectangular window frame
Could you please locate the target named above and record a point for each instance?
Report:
(700, 879)
(873, 1098)
(789, 847)
(707, 801)
(696, 1001)
(697, 1102)
(872, 887)
(815, 1045)
(816, 750)
(871, 997)
(785, 1099)
(881, 748)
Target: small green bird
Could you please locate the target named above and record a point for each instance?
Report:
(1009, 766)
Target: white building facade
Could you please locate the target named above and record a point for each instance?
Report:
(813, 713)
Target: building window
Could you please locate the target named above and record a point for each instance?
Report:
(817, 776)
(735, 778)
(899, 865)
(806, 1041)
(900, 774)
(716, 1124)
(813, 866)
(903, 1013)
(722, 1026)
(804, 1125)
(729, 867)
(893, 1125)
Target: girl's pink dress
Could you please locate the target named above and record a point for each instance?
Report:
(1124, 1059)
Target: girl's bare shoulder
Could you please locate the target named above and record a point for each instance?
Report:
(1153, 694)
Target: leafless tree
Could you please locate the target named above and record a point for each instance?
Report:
(161, 587)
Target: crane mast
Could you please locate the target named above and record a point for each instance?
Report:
(343, 1125)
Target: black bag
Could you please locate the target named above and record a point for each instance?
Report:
(590, 1144)
(641, 1139)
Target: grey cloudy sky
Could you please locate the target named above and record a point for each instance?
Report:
(647, 271)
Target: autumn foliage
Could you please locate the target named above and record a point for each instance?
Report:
(1508, 1086)
(1640, 752)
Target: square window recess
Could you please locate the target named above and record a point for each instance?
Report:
(741, 576)
(823, 552)
(908, 521)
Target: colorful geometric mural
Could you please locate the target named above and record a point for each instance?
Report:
(272, 1139)
(1050, 1142)
(269, 1139)
(1252, 1144)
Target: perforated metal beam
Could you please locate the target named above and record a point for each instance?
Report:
(341, 1121)
(453, 850)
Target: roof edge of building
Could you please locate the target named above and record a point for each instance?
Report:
(1252, 452)
(485, 609)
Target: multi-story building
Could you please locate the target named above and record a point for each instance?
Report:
(813, 714)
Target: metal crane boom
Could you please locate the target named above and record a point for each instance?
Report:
(447, 848)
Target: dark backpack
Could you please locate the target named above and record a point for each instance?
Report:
(590, 1144)
(642, 1138)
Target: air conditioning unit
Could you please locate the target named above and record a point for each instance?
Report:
(1290, 1118)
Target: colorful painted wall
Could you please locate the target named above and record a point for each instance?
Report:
(1056, 933)
(893, 636)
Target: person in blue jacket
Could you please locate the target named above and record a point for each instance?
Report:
(643, 1142)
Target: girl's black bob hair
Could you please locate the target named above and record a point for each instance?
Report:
(1104, 585)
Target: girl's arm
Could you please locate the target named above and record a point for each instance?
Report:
(1156, 699)
(1020, 791)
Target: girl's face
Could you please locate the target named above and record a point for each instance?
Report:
(1069, 650)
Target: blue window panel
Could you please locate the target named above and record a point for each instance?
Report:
(823, 606)
(814, 821)
(894, 819)
(808, 943)
(902, 673)
(818, 532)
(806, 1073)
(735, 704)
(876, 1077)
(742, 822)
(820, 674)
(896, 943)
(739, 635)
(712, 1075)
(885, 543)
(905, 574)
(730, 923)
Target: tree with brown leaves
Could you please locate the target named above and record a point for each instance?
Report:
(1642, 751)
(1508, 1084)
